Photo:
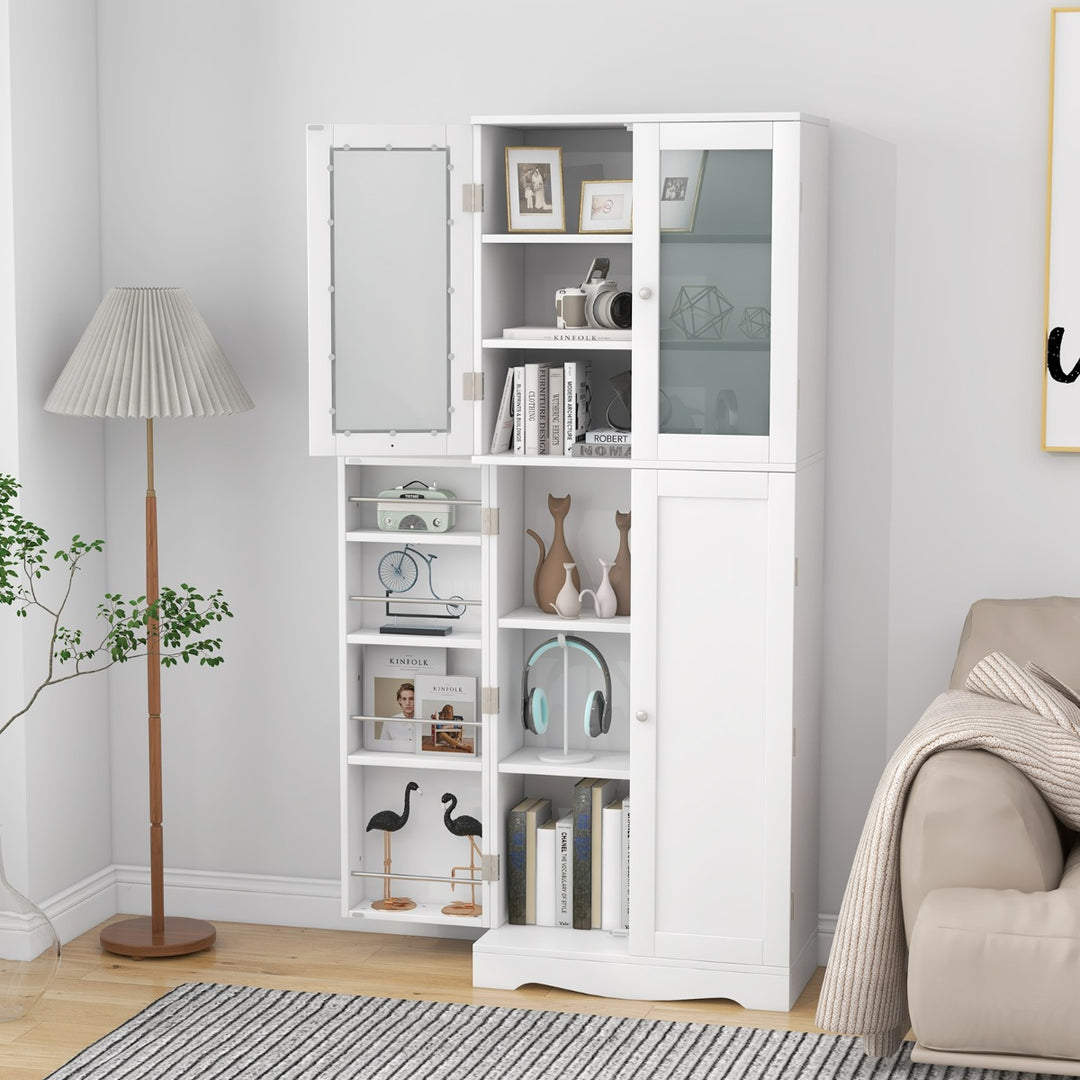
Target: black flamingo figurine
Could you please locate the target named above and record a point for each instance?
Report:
(389, 822)
(463, 825)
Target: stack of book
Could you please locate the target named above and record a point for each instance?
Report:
(571, 868)
(544, 409)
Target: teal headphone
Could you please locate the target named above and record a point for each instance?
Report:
(534, 706)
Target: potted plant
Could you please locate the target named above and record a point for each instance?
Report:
(185, 618)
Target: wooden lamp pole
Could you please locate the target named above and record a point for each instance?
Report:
(158, 935)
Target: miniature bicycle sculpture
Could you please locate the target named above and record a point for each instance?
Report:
(398, 573)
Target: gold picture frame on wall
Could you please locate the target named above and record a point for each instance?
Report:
(535, 201)
(1061, 337)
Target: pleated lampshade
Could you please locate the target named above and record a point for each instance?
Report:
(147, 354)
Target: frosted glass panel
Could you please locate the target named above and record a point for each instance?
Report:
(715, 276)
(391, 325)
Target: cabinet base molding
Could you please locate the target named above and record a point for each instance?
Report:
(595, 962)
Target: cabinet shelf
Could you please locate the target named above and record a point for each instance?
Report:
(606, 764)
(716, 238)
(422, 913)
(531, 618)
(712, 345)
(557, 461)
(450, 641)
(448, 762)
(556, 941)
(386, 536)
(541, 343)
(557, 238)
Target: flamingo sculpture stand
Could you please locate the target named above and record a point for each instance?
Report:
(389, 823)
(463, 825)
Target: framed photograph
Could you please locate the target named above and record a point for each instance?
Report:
(535, 199)
(680, 186)
(391, 675)
(448, 702)
(607, 206)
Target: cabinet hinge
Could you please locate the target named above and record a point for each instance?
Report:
(489, 521)
(489, 701)
(796, 571)
(793, 907)
(793, 750)
(472, 198)
(489, 867)
(472, 386)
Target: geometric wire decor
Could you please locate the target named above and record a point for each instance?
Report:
(701, 311)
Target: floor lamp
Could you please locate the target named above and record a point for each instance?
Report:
(147, 353)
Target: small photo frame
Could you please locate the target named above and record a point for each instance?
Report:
(607, 206)
(680, 186)
(535, 200)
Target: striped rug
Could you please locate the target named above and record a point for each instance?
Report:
(240, 1033)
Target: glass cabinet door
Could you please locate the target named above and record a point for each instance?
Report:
(715, 260)
(389, 276)
(706, 263)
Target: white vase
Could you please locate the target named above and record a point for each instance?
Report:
(606, 600)
(568, 602)
(29, 951)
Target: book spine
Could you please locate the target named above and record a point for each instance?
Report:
(569, 409)
(582, 916)
(542, 422)
(519, 409)
(588, 449)
(564, 871)
(626, 861)
(531, 417)
(555, 411)
(609, 436)
(535, 816)
(515, 864)
(611, 907)
(504, 419)
(545, 874)
(603, 791)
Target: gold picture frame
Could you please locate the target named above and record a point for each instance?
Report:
(535, 200)
(680, 187)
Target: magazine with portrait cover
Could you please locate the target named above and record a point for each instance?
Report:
(390, 675)
(448, 703)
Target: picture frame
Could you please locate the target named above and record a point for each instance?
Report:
(680, 186)
(535, 199)
(1061, 331)
(607, 206)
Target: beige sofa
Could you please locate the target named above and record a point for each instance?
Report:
(990, 881)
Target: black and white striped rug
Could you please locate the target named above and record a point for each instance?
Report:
(240, 1033)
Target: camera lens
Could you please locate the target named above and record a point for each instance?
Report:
(611, 310)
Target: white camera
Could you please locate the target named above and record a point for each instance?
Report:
(605, 306)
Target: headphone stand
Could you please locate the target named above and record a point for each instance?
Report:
(568, 756)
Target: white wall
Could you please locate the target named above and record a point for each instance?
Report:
(55, 775)
(937, 489)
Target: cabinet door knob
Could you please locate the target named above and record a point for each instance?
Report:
(642, 715)
(645, 292)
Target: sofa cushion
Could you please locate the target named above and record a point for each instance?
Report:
(973, 819)
(996, 970)
(1043, 630)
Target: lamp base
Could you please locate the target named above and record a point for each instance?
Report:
(136, 937)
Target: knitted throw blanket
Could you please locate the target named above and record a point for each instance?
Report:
(1021, 714)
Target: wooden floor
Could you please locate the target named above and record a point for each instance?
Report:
(95, 992)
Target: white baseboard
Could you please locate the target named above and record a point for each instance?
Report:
(252, 898)
(826, 930)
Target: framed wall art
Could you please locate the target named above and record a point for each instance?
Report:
(607, 206)
(534, 189)
(680, 185)
(1061, 358)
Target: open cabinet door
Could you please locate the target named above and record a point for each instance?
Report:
(389, 289)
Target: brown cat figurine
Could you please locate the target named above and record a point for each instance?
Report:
(620, 571)
(550, 575)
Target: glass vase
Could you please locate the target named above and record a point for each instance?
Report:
(29, 951)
